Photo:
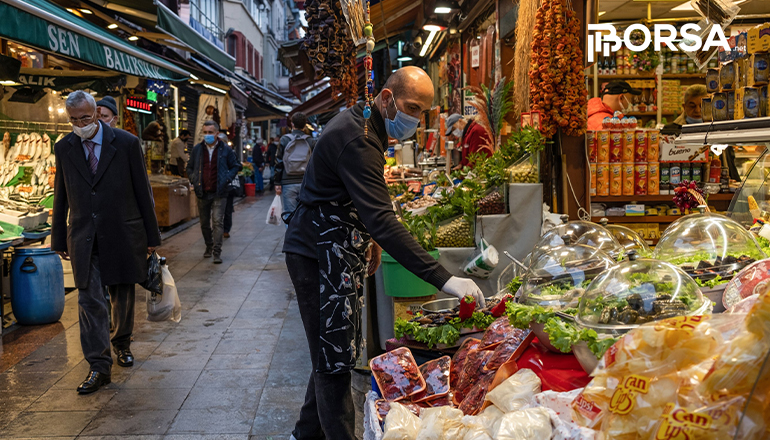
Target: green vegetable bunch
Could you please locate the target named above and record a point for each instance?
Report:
(447, 334)
(716, 281)
(514, 285)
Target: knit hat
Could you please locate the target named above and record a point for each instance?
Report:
(109, 102)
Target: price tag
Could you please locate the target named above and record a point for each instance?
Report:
(475, 52)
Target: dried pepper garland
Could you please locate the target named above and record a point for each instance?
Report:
(557, 80)
(329, 49)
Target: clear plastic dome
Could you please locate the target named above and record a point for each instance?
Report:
(581, 232)
(638, 291)
(558, 278)
(706, 245)
(630, 240)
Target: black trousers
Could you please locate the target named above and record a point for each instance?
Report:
(229, 209)
(94, 319)
(328, 412)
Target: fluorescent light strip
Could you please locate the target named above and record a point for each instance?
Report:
(441, 10)
(138, 110)
(112, 26)
(428, 42)
(224, 92)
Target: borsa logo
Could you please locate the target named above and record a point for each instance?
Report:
(605, 38)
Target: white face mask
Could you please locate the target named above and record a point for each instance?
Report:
(458, 133)
(86, 132)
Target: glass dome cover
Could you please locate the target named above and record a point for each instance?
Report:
(557, 278)
(707, 244)
(637, 291)
(630, 239)
(581, 232)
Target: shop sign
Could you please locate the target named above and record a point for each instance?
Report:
(604, 38)
(34, 31)
(475, 54)
(138, 105)
(152, 96)
(468, 109)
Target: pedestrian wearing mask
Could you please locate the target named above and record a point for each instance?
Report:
(178, 154)
(469, 137)
(107, 110)
(344, 208)
(616, 96)
(211, 168)
(104, 221)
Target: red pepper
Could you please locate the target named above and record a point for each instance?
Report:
(498, 310)
(467, 306)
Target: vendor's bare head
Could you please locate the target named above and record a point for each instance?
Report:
(81, 108)
(409, 90)
(692, 100)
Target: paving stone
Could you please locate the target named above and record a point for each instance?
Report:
(251, 361)
(28, 381)
(222, 398)
(159, 362)
(231, 379)
(48, 424)
(70, 400)
(130, 421)
(274, 420)
(146, 399)
(208, 421)
(163, 379)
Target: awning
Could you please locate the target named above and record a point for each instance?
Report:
(263, 92)
(259, 110)
(61, 80)
(170, 23)
(45, 26)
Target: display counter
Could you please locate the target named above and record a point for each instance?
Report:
(172, 199)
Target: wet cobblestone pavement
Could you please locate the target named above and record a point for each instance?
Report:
(235, 367)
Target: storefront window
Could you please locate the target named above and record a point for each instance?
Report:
(29, 58)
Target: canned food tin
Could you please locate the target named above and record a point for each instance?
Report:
(591, 145)
(686, 171)
(616, 179)
(706, 110)
(653, 145)
(665, 178)
(628, 179)
(640, 146)
(675, 174)
(592, 168)
(603, 179)
(750, 102)
(697, 172)
(616, 146)
(712, 80)
(653, 178)
(719, 106)
(628, 145)
(640, 179)
(603, 146)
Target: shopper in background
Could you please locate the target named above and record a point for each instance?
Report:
(691, 109)
(107, 109)
(258, 161)
(472, 138)
(615, 96)
(272, 150)
(104, 221)
(344, 199)
(211, 168)
(455, 129)
(291, 161)
(178, 154)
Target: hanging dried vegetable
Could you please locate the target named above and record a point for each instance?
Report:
(557, 80)
(329, 48)
(524, 24)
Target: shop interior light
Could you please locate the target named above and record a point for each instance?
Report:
(404, 58)
(133, 38)
(444, 7)
(194, 77)
(60, 110)
(9, 83)
(71, 10)
(602, 13)
(112, 26)
(428, 42)
(433, 27)
(216, 89)
(86, 11)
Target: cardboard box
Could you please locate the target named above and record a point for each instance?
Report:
(634, 209)
(758, 69)
(759, 38)
(738, 110)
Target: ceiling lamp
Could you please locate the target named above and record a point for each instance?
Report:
(404, 58)
(133, 38)
(112, 26)
(86, 11)
(444, 7)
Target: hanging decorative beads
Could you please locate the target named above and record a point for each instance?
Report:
(369, 90)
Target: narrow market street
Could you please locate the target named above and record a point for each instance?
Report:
(235, 367)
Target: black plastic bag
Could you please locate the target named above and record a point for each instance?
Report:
(154, 281)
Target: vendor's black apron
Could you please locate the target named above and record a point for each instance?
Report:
(342, 242)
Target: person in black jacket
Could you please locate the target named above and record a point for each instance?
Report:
(344, 206)
(104, 221)
(211, 168)
(258, 161)
(272, 150)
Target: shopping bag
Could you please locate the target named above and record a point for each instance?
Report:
(164, 306)
(275, 211)
(154, 282)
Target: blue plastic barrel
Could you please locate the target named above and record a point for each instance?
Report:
(37, 286)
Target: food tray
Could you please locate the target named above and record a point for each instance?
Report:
(497, 332)
(458, 360)
(436, 375)
(397, 374)
(510, 350)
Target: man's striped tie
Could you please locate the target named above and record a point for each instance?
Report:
(93, 161)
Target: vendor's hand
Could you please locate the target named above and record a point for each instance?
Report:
(462, 287)
(64, 255)
(373, 257)
(151, 249)
(278, 190)
(457, 168)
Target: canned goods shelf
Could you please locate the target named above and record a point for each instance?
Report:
(645, 219)
(654, 198)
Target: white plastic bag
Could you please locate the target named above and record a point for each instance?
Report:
(275, 211)
(527, 424)
(401, 424)
(166, 306)
(516, 392)
(436, 421)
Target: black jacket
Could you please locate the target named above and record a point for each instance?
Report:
(113, 209)
(227, 168)
(347, 165)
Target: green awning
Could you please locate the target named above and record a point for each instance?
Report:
(171, 24)
(45, 26)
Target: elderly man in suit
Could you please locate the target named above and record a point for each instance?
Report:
(101, 185)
